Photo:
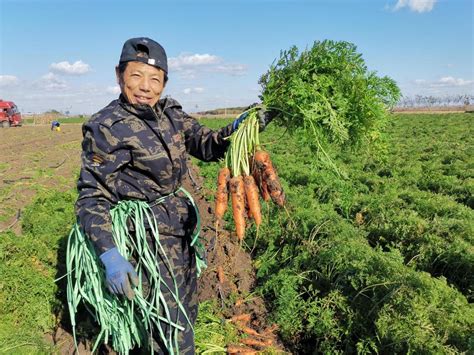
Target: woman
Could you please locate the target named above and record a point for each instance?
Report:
(135, 149)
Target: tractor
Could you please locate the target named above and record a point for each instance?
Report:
(9, 114)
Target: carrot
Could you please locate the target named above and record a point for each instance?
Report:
(270, 176)
(262, 185)
(220, 274)
(241, 318)
(255, 342)
(252, 198)
(270, 329)
(264, 191)
(232, 349)
(237, 191)
(250, 331)
(247, 208)
(239, 302)
(222, 192)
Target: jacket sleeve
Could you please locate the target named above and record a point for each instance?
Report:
(204, 143)
(103, 155)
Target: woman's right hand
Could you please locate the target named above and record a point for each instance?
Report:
(120, 274)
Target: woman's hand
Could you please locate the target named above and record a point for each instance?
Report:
(119, 273)
(264, 116)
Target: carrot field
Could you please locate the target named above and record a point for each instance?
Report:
(378, 257)
(375, 256)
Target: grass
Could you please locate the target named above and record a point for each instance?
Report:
(30, 300)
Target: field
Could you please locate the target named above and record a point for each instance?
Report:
(35, 158)
(378, 258)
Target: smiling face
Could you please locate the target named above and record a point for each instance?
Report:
(141, 83)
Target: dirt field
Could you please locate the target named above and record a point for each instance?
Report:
(36, 158)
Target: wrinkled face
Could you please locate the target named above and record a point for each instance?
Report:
(141, 83)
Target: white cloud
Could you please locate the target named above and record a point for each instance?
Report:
(443, 86)
(114, 90)
(184, 61)
(420, 81)
(8, 80)
(232, 69)
(450, 81)
(188, 65)
(187, 74)
(51, 81)
(444, 82)
(76, 68)
(416, 5)
(193, 90)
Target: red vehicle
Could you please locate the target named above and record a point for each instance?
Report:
(9, 114)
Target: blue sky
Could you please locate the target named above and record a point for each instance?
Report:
(61, 54)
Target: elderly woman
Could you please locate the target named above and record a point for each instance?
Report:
(135, 149)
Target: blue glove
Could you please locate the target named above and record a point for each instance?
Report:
(239, 120)
(264, 117)
(119, 273)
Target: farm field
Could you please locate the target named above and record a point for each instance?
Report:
(376, 259)
(35, 159)
(380, 260)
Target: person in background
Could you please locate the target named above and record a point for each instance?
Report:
(135, 148)
(56, 126)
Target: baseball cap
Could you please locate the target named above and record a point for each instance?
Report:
(156, 55)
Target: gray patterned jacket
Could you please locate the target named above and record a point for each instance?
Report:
(139, 152)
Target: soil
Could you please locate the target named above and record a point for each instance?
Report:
(35, 157)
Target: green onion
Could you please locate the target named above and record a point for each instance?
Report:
(129, 323)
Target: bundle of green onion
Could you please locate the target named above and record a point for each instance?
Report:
(129, 323)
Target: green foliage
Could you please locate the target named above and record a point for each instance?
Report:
(212, 333)
(374, 262)
(51, 214)
(29, 264)
(328, 91)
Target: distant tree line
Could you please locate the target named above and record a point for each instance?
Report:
(435, 101)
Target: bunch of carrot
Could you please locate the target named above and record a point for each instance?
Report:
(253, 339)
(248, 173)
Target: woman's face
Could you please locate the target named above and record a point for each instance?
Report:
(142, 83)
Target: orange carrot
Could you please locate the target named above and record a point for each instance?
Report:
(222, 192)
(241, 318)
(270, 329)
(237, 191)
(264, 191)
(220, 274)
(270, 176)
(262, 185)
(239, 302)
(255, 342)
(252, 198)
(247, 208)
(232, 349)
(250, 331)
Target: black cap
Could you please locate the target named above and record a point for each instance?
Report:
(156, 55)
